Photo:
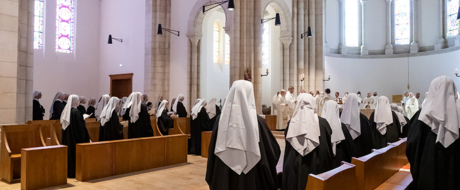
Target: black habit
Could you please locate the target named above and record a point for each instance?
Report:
(432, 166)
(344, 150)
(112, 129)
(142, 127)
(363, 144)
(165, 122)
(58, 107)
(91, 110)
(392, 135)
(38, 110)
(181, 111)
(214, 119)
(262, 177)
(75, 133)
(82, 109)
(200, 124)
(405, 128)
(297, 168)
(126, 116)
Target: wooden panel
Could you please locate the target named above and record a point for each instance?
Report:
(153, 152)
(56, 134)
(176, 149)
(46, 127)
(367, 112)
(121, 85)
(401, 152)
(43, 167)
(342, 178)
(271, 122)
(397, 98)
(94, 160)
(93, 129)
(390, 161)
(369, 171)
(205, 141)
(156, 130)
(183, 123)
(90, 120)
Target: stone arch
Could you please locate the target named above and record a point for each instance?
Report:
(286, 16)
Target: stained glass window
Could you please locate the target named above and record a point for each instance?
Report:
(402, 22)
(216, 44)
(452, 22)
(227, 49)
(38, 24)
(65, 26)
(351, 23)
(266, 44)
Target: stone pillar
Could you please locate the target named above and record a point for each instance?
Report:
(442, 42)
(364, 49)
(342, 44)
(389, 46)
(194, 69)
(301, 45)
(286, 43)
(257, 64)
(414, 47)
(315, 30)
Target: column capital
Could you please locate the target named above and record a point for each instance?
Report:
(287, 40)
(194, 38)
(388, 1)
(363, 2)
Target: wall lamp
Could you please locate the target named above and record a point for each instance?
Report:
(328, 79)
(302, 77)
(458, 15)
(307, 33)
(266, 74)
(116, 39)
(231, 6)
(160, 31)
(456, 73)
(277, 20)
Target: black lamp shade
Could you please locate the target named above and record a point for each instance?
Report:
(231, 5)
(277, 20)
(160, 30)
(309, 32)
(110, 39)
(458, 15)
(204, 9)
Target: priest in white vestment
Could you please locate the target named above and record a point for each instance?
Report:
(326, 98)
(290, 100)
(282, 109)
(319, 96)
(368, 102)
(376, 98)
(411, 106)
(419, 100)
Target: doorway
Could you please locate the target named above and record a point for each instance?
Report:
(121, 85)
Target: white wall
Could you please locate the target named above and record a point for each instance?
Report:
(271, 83)
(389, 76)
(126, 20)
(74, 73)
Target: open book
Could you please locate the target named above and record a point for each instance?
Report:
(85, 116)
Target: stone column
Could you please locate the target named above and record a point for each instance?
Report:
(286, 43)
(194, 69)
(442, 42)
(414, 44)
(342, 44)
(313, 47)
(389, 46)
(301, 45)
(364, 50)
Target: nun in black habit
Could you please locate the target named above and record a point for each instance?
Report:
(81, 107)
(385, 125)
(91, 109)
(243, 153)
(433, 147)
(358, 126)
(139, 119)
(38, 110)
(178, 107)
(199, 123)
(165, 122)
(402, 120)
(342, 142)
(57, 107)
(110, 124)
(308, 145)
(213, 111)
(103, 101)
(73, 132)
(127, 106)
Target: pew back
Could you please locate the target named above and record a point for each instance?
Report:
(182, 123)
(93, 129)
(342, 178)
(271, 122)
(369, 170)
(46, 127)
(205, 142)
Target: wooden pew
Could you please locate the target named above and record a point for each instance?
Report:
(205, 141)
(342, 178)
(13, 139)
(128, 155)
(93, 129)
(369, 170)
(390, 163)
(46, 127)
(401, 149)
(90, 120)
(43, 167)
(271, 122)
(183, 123)
(156, 130)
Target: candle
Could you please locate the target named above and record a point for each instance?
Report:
(267, 70)
(329, 76)
(303, 76)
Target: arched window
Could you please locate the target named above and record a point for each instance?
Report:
(266, 44)
(352, 23)
(227, 49)
(65, 26)
(402, 22)
(216, 43)
(38, 24)
(452, 22)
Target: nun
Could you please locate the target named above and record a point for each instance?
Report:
(308, 145)
(57, 106)
(160, 99)
(91, 110)
(165, 122)
(64, 100)
(81, 107)
(342, 142)
(178, 106)
(243, 152)
(213, 111)
(73, 132)
(385, 125)
(139, 119)
(432, 142)
(38, 110)
(358, 126)
(101, 105)
(402, 120)
(121, 104)
(126, 107)
(110, 124)
(200, 122)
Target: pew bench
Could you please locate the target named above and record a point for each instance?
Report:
(205, 142)
(342, 178)
(271, 122)
(46, 127)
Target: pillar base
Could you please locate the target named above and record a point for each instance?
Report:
(414, 47)
(343, 49)
(440, 44)
(364, 50)
(389, 49)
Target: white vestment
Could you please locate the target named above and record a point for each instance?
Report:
(326, 98)
(290, 100)
(376, 99)
(368, 101)
(411, 107)
(282, 109)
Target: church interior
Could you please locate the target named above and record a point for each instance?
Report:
(229, 94)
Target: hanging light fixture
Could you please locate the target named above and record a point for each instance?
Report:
(307, 33)
(116, 39)
(160, 30)
(277, 20)
(458, 14)
(230, 7)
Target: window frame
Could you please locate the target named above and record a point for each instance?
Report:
(393, 25)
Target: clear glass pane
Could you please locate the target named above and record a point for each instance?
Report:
(351, 23)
